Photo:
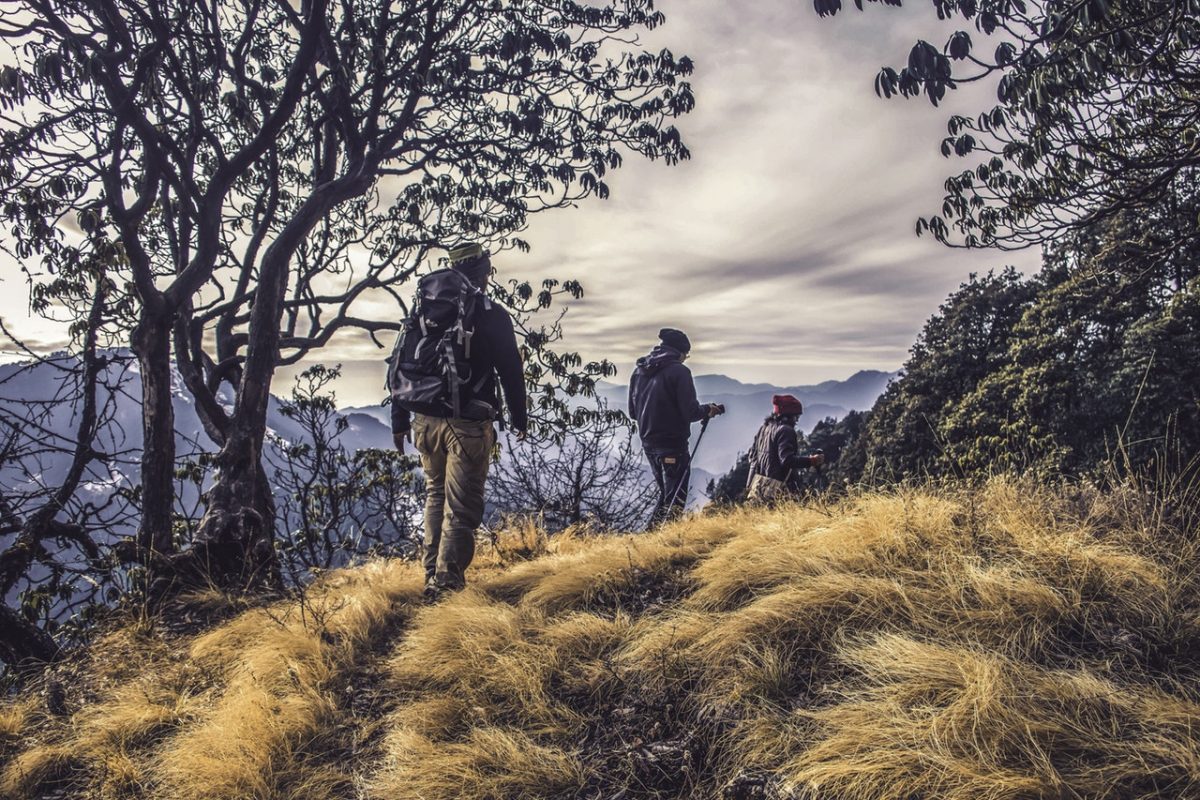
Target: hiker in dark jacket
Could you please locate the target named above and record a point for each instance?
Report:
(775, 460)
(662, 401)
(456, 451)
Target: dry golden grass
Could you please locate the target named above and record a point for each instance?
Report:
(33, 767)
(1004, 643)
(489, 762)
(953, 722)
(266, 733)
(248, 709)
(600, 569)
(14, 717)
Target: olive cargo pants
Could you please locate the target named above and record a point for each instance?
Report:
(455, 454)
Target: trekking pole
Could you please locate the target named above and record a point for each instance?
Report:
(703, 428)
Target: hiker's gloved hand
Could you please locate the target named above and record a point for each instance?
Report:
(715, 410)
(398, 440)
(816, 460)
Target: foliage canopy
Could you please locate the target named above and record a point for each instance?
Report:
(1096, 111)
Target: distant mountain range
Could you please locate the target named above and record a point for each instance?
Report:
(856, 393)
(746, 404)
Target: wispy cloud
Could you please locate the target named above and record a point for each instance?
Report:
(42, 339)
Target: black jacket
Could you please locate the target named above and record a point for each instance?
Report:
(493, 351)
(776, 452)
(662, 400)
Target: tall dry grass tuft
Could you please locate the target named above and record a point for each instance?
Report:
(253, 708)
(953, 722)
(33, 768)
(609, 570)
(493, 692)
(497, 763)
(272, 729)
(89, 717)
(14, 717)
(1004, 642)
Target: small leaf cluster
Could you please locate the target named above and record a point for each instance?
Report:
(1095, 113)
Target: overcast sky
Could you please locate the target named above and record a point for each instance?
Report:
(785, 247)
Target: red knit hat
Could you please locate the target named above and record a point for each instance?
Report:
(787, 404)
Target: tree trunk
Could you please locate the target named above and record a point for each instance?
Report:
(235, 545)
(151, 342)
(236, 539)
(23, 644)
(189, 361)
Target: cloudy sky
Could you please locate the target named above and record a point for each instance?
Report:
(785, 247)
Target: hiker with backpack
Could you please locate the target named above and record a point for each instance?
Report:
(662, 401)
(775, 460)
(442, 382)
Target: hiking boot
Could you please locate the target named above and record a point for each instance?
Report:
(448, 582)
(432, 592)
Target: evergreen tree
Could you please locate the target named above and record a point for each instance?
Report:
(730, 488)
(841, 441)
(1088, 364)
(967, 340)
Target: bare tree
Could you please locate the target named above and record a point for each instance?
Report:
(594, 476)
(59, 558)
(334, 505)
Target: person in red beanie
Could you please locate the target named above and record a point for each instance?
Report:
(775, 458)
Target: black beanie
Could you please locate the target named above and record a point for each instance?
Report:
(677, 340)
(477, 269)
(472, 261)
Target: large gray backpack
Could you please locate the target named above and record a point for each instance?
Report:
(429, 371)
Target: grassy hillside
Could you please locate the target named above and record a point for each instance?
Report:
(993, 644)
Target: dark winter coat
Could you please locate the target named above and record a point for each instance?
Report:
(493, 352)
(662, 400)
(776, 452)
